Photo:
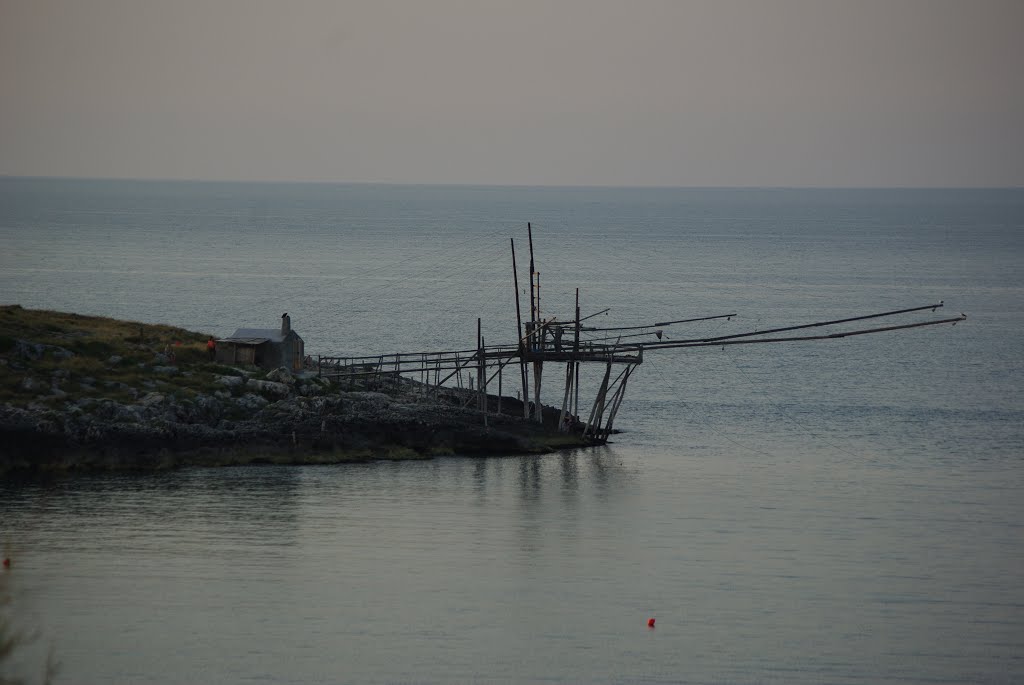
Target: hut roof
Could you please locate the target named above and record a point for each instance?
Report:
(255, 336)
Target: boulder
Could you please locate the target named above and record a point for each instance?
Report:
(269, 388)
(230, 381)
(33, 351)
(152, 399)
(251, 401)
(281, 375)
(206, 409)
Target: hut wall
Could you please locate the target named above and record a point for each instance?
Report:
(292, 351)
(232, 353)
(289, 353)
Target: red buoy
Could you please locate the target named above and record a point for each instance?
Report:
(7, 563)
(650, 623)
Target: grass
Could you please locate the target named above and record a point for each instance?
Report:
(107, 351)
(64, 329)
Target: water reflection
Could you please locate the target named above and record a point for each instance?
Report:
(239, 515)
(271, 497)
(145, 511)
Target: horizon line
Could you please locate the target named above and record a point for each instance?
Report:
(454, 184)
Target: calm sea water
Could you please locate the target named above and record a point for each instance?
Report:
(834, 512)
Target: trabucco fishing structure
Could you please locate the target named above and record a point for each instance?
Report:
(548, 340)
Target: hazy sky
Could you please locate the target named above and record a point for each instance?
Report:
(630, 92)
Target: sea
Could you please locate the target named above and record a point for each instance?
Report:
(837, 511)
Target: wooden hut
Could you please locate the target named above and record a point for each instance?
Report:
(267, 348)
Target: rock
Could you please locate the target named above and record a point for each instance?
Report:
(206, 409)
(115, 359)
(229, 381)
(59, 352)
(61, 373)
(152, 399)
(251, 401)
(281, 375)
(110, 411)
(27, 350)
(33, 351)
(166, 370)
(29, 383)
(269, 387)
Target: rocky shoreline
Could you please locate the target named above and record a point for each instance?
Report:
(159, 431)
(82, 409)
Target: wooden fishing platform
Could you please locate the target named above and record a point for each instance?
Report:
(552, 341)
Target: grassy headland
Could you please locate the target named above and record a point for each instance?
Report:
(84, 392)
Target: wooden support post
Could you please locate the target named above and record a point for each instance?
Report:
(519, 329)
(538, 366)
(500, 368)
(483, 379)
(594, 422)
(575, 354)
(576, 392)
(540, 330)
(526, 386)
(538, 371)
(620, 393)
(565, 397)
(533, 302)
(479, 366)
